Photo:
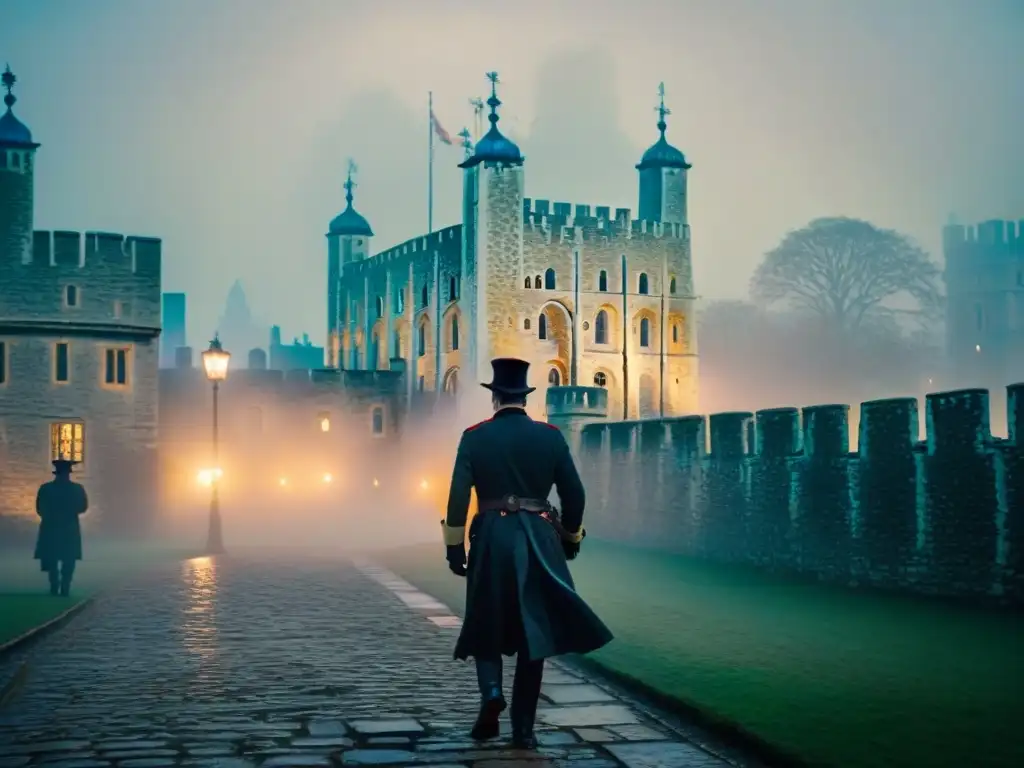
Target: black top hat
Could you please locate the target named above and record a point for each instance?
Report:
(509, 376)
(63, 465)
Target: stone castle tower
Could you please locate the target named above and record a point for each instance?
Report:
(663, 177)
(79, 324)
(348, 240)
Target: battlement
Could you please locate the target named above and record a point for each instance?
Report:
(579, 222)
(987, 238)
(441, 239)
(108, 251)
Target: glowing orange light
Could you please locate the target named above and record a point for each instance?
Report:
(327, 477)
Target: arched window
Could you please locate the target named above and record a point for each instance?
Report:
(380, 306)
(600, 380)
(542, 327)
(423, 296)
(642, 286)
(421, 339)
(601, 328)
(645, 332)
(526, 324)
(401, 301)
(602, 281)
(554, 377)
(549, 280)
(675, 333)
(452, 289)
(536, 282)
(527, 284)
(455, 332)
(377, 420)
(672, 285)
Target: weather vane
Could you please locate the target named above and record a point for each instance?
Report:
(467, 140)
(8, 80)
(662, 110)
(349, 184)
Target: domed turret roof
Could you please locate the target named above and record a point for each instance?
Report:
(13, 132)
(662, 154)
(494, 147)
(350, 221)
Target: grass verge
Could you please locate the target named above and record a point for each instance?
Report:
(829, 675)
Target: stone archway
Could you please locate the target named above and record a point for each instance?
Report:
(451, 381)
(556, 321)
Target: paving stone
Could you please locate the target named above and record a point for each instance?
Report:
(575, 694)
(552, 738)
(87, 762)
(297, 761)
(388, 741)
(326, 728)
(333, 742)
(14, 762)
(595, 735)
(384, 726)
(147, 762)
(377, 756)
(638, 732)
(594, 714)
(664, 754)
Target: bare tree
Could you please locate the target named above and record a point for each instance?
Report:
(848, 272)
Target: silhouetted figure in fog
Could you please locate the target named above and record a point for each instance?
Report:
(59, 503)
(520, 597)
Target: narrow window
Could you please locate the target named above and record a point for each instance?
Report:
(401, 301)
(554, 377)
(526, 324)
(672, 285)
(452, 291)
(377, 421)
(536, 282)
(602, 281)
(423, 295)
(71, 296)
(420, 383)
(455, 332)
(642, 287)
(3, 362)
(116, 367)
(60, 362)
(542, 327)
(601, 328)
(380, 306)
(527, 284)
(549, 280)
(675, 333)
(645, 332)
(421, 340)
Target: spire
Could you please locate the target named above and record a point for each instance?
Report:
(494, 102)
(8, 79)
(662, 110)
(349, 184)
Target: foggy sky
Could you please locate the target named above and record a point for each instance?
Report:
(223, 126)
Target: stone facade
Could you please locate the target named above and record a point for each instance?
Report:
(79, 323)
(588, 296)
(985, 301)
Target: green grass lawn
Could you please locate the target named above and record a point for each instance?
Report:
(833, 676)
(25, 601)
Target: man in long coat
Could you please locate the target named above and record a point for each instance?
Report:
(520, 596)
(59, 503)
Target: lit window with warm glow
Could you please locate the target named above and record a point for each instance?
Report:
(67, 441)
(325, 421)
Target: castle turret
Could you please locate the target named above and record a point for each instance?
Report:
(663, 177)
(492, 267)
(348, 240)
(572, 408)
(17, 161)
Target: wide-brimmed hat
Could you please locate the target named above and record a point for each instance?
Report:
(62, 465)
(510, 376)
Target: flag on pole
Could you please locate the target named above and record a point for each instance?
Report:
(443, 136)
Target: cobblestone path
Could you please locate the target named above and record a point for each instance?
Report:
(228, 663)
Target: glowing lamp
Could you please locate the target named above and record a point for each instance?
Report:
(283, 482)
(376, 483)
(327, 477)
(325, 424)
(424, 485)
(215, 361)
(977, 347)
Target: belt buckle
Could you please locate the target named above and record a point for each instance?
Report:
(511, 503)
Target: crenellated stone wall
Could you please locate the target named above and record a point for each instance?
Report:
(780, 489)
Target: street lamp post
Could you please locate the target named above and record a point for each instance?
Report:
(215, 363)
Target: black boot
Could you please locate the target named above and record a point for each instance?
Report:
(525, 695)
(67, 572)
(492, 701)
(54, 582)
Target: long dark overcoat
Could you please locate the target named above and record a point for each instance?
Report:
(520, 596)
(59, 504)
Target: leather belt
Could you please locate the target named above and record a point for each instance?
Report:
(512, 504)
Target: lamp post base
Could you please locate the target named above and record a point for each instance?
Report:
(214, 534)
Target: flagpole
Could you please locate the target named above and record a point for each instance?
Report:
(430, 163)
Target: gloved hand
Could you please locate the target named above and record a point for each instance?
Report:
(456, 557)
(572, 548)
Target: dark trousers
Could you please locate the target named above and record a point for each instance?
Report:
(61, 572)
(525, 688)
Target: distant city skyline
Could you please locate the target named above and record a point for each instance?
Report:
(900, 113)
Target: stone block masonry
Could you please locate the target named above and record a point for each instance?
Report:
(780, 489)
